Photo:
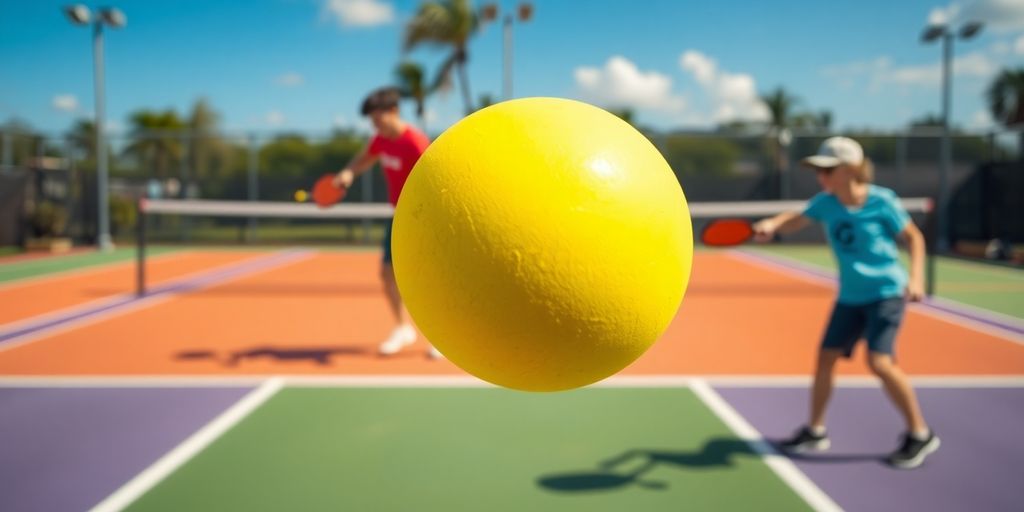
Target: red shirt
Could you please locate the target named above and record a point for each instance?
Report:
(398, 156)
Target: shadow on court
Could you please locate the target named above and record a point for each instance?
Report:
(717, 452)
(317, 355)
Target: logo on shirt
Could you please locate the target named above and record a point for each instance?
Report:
(843, 234)
(390, 163)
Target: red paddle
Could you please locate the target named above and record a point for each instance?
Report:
(726, 232)
(325, 193)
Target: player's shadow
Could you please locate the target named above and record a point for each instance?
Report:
(838, 458)
(628, 469)
(319, 355)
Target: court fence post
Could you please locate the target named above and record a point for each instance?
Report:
(140, 248)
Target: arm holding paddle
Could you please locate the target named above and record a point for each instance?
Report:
(783, 224)
(360, 164)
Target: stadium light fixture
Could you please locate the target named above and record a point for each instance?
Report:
(946, 33)
(113, 18)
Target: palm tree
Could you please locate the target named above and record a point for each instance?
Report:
(1006, 100)
(206, 146)
(412, 85)
(448, 23)
(156, 143)
(82, 138)
(781, 106)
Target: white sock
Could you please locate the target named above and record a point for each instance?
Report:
(818, 431)
(921, 435)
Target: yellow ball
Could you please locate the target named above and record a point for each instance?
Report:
(542, 244)
(301, 196)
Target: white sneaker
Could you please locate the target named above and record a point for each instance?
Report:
(402, 336)
(434, 353)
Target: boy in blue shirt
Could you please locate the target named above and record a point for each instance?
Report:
(862, 222)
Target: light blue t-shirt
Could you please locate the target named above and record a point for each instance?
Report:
(863, 240)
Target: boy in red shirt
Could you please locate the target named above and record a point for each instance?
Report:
(397, 146)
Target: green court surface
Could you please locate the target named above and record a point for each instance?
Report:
(50, 264)
(476, 449)
(990, 287)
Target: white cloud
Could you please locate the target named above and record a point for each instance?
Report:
(882, 72)
(734, 95)
(274, 118)
(359, 13)
(1001, 48)
(1018, 46)
(943, 15)
(65, 103)
(290, 79)
(981, 120)
(621, 84)
(997, 15)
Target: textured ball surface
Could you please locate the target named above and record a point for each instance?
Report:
(542, 244)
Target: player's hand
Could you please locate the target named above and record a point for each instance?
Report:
(343, 179)
(915, 290)
(764, 230)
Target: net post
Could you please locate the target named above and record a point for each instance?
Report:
(140, 248)
(931, 246)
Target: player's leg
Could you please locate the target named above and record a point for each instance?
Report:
(844, 329)
(883, 324)
(403, 333)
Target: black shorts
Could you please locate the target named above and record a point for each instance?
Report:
(386, 244)
(877, 322)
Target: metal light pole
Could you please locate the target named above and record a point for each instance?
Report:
(114, 18)
(524, 12)
(931, 34)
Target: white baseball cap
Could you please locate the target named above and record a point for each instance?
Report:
(836, 151)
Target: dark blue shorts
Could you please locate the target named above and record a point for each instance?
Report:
(876, 322)
(387, 244)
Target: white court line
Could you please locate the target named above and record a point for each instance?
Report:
(262, 263)
(466, 381)
(810, 274)
(181, 454)
(782, 466)
(75, 272)
(97, 303)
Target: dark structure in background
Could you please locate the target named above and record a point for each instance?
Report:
(989, 207)
(13, 189)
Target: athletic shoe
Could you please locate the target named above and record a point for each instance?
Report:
(912, 451)
(402, 336)
(806, 441)
(434, 353)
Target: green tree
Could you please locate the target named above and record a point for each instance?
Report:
(208, 153)
(690, 155)
(82, 140)
(156, 141)
(1006, 101)
(412, 85)
(781, 107)
(446, 23)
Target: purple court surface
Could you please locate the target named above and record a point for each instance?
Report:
(69, 448)
(977, 468)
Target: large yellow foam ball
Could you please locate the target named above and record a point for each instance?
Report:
(542, 244)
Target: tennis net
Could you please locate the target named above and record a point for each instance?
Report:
(211, 222)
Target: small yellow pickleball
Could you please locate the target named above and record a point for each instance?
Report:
(542, 244)
(301, 196)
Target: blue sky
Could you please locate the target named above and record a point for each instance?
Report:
(305, 65)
